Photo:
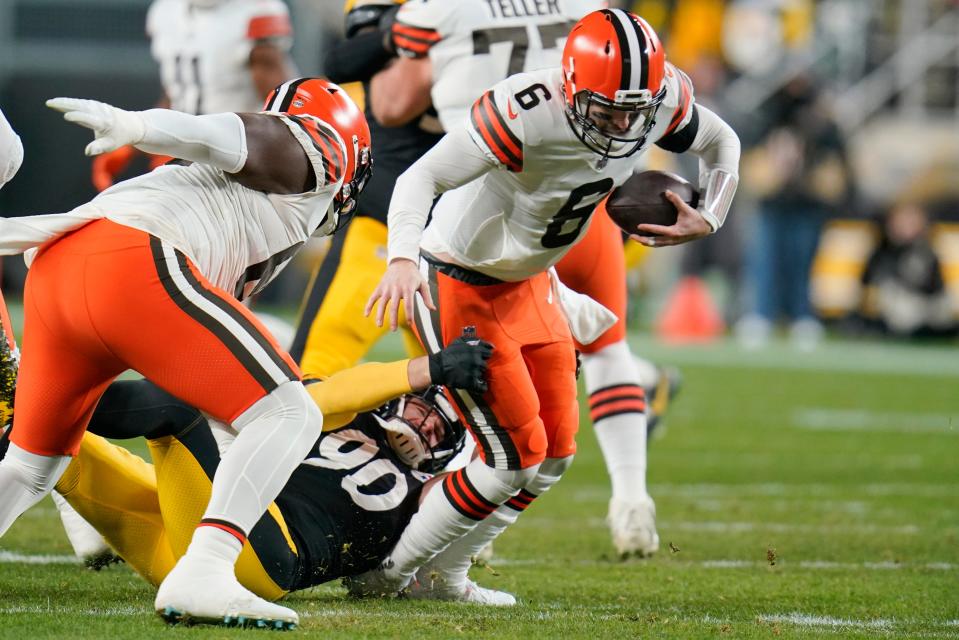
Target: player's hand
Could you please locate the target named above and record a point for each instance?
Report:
(400, 284)
(462, 364)
(112, 127)
(107, 166)
(689, 225)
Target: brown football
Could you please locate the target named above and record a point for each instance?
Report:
(641, 200)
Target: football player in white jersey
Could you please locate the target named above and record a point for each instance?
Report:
(147, 276)
(458, 49)
(214, 56)
(520, 182)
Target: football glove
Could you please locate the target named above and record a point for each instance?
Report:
(462, 364)
(112, 127)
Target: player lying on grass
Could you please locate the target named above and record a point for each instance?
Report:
(342, 509)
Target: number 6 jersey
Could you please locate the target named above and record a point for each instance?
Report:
(520, 217)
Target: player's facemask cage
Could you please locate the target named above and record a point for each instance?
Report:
(344, 203)
(407, 438)
(614, 128)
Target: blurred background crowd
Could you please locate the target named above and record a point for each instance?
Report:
(847, 215)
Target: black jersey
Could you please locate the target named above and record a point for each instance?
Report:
(347, 503)
(396, 148)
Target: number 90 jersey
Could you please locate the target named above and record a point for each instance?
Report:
(520, 218)
(476, 43)
(204, 51)
(348, 502)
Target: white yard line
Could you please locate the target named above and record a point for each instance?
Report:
(585, 492)
(814, 621)
(735, 526)
(12, 557)
(829, 419)
(809, 565)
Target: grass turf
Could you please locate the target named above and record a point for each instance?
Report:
(799, 495)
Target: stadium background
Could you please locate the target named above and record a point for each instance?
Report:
(801, 491)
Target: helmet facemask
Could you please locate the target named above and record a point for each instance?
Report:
(411, 439)
(614, 128)
(344, 203)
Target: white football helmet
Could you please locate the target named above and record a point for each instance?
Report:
(409, 429)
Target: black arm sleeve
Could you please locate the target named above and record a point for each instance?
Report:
(681, 139)
(356, 59)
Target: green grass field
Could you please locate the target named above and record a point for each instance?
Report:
(799, 495)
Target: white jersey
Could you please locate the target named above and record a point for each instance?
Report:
(238, 238)
(204, 52)
(521, 218)
(481, 42)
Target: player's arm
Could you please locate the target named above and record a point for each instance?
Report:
(367, 47)
(11, 151)
(454, 161)
(401, 92)
(340, 397)
(694, 128)
(259, 150)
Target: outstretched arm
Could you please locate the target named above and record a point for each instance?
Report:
(258, 149)
(11, 151)
(340, 397)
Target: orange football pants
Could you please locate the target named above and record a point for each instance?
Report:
(596, 267)
(530, 410)
(107, 298)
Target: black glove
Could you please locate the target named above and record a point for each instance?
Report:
(462, 363)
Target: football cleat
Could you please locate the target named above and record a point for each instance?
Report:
(205, 592)
(429, 588)
(660, 395)
(633, 527)
(381, 582)
(87, 543)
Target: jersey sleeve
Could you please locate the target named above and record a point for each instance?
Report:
(269, 21)
(420, 24)
(680, 107)
(361, 388)
(496, 126)
(323, 147)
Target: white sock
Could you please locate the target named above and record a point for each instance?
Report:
(451, 567)
(24, 479)
(618, 410)
(212, 543)
(451, 509)
(275, 434)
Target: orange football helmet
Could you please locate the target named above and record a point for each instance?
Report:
(331, 104)
(614, 68)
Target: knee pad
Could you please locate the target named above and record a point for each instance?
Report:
(289, 403)
(549, 473)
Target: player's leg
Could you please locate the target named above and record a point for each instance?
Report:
(185, 465)
(333, 334)
(201, 345)
(504, 421)
(62, 373)
(616, 395)
(552, 367)
(116, 492)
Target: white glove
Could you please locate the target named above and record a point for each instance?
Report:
(112, 127)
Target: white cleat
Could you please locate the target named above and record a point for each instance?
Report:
(633, 527)
(381, 582)
(437, 589)
(86, 541)
(208, 592)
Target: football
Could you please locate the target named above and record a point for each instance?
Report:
(642, 199)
